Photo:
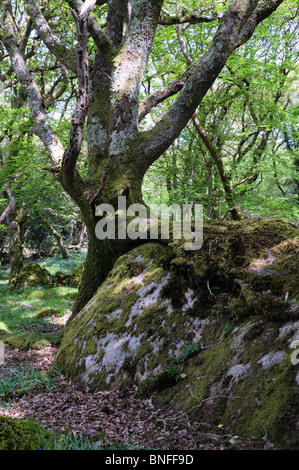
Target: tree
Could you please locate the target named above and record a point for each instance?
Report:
(110, 63)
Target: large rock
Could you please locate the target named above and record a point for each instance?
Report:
(209, 331)
(33, 275)
(76, 276)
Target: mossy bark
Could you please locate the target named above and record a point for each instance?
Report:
(122, 180)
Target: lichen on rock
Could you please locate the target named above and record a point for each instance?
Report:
(237, 297)
(129, 325)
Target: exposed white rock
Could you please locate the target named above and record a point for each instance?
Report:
(272, 359)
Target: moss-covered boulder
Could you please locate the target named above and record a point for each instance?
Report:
(25, 340)
(46, 312)
(19, 341)
(61, 279)
(20, 434)
(209, 331)
(33, 275)
(76, 276)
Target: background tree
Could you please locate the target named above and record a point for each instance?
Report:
(236, 131)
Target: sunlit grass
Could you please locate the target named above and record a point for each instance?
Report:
(17, 307)
(53, 265)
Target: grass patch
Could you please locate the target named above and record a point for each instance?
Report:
(22, 380)
(18, 308)
(70, 441)
(58, 264)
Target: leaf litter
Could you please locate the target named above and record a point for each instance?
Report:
(110, 416)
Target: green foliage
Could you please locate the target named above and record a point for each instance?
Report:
(19, 327)
(22, 380)
(70, 441)
(249, 115)
(21, 434)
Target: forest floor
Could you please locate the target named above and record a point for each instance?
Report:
(31, 388)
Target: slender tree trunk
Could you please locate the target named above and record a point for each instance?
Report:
(79, 231)
(55, 234)
(13, 222)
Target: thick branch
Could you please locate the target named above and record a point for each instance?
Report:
(127, 77)
(118, 17)
(9, 209)
(62, 53)
(237, 25)
(76, 134)
(101, 40)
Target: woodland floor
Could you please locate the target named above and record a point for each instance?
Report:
(112, 418)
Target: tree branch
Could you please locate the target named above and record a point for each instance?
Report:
(62, 53)
(76, 133)
(42, 127)
(196, 18)
(236, 26)
(55, 92)
(9, 208)
(162, 94)
(132, 59)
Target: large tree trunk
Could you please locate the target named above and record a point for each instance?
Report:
(102, 254)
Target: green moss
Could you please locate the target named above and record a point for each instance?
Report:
(229, 247)
(90, 348)
(18, 341)
(33, 275)
(46, 312)
(20, 434)
(101, 354)
(35, 294)
(63, 279)
(76, 277)
(266, 405)
(28, 340)
(143, 350)
(150, 320)
(239, 296)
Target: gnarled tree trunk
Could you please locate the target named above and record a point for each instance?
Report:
(119, 153)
